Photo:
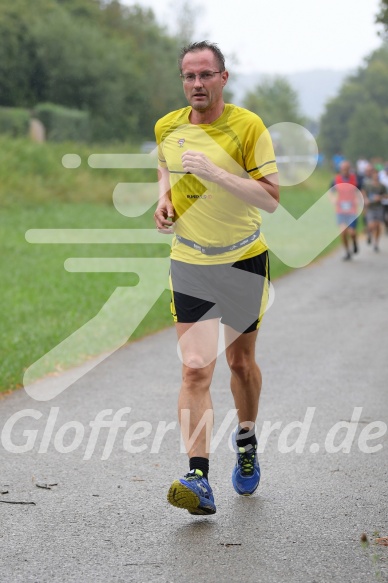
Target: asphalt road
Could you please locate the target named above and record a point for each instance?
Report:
(323, 352)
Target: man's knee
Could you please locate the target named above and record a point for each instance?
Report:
(196, 370)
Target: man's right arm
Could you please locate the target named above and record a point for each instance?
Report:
(164, 211)
(333, 194)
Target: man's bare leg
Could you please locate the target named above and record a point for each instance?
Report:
(198, 343)
(353, 236)
(345, 241)
(246, 387)
(245, 375)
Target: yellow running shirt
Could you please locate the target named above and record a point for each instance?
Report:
(205, 213)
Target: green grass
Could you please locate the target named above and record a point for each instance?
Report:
(33, 173)
(41, 303)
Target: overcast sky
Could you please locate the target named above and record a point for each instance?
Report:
(283, 36)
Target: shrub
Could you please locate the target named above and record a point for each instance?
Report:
(63, 124)
(14, 121)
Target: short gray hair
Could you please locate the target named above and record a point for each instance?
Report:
(202, 46)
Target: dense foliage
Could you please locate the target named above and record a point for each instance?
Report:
(115, 62)
(355, 122)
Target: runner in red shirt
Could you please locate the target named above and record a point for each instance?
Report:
(346, 198)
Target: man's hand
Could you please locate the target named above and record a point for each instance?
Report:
(198, 164)
(164, 216)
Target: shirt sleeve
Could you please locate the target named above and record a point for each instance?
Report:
(259, 155)
(158, 137)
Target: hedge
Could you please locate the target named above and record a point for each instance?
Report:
(14, 121)
(63, 124)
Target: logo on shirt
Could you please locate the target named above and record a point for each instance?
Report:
(202, 196)
(181, 141)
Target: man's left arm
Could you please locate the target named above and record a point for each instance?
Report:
(262, 193)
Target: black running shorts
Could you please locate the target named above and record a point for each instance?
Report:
(237, 293)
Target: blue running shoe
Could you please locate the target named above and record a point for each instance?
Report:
(193, 493)
(246, 472)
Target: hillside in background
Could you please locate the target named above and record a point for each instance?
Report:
(314, 88)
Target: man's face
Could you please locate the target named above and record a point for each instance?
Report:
(203, 95)
(345, 168)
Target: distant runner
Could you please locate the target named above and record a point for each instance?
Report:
(345, 194)
(374, 193)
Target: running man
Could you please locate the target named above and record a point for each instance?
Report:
(345, 194)
(216, 169)
(374, 193)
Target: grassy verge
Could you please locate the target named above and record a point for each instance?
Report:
(42, 303)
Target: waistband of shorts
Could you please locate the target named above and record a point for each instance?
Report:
(219, 250)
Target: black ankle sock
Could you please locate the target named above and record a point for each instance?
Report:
(200, 463)
(245, 437)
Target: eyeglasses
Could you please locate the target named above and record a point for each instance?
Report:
(204, 76)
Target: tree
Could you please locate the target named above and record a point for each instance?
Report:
(84, 69)
(20, 72)
(364, 133)
(346, 119)
(89, 9)
(274, 100)
(186, 18)
(335, 120)
(382, 16)
(114, 61)
(155, 54)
